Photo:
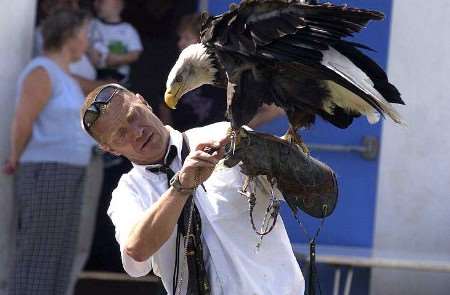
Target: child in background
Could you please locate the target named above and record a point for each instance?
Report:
(116, 43)
(206, 104)
(188, 31)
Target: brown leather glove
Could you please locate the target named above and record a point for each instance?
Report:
(305, 182)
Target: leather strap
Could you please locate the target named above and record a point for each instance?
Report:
(198, 283)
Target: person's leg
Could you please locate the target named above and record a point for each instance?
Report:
(90, 199)
(49, 197)
(67, 203)
(24, 186)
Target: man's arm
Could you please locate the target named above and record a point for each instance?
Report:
(158, 223)
(265, 114)
(156, 226)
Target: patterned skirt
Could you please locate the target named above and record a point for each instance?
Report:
(48, 203)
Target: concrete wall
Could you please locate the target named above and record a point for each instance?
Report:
(16, 30)
(202, 5)
(414, 177)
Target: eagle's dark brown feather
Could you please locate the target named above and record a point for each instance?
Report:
(272, 50)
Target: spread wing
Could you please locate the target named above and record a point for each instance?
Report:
(283, 45)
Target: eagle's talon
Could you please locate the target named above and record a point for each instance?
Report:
(294, 138)
(234, 139)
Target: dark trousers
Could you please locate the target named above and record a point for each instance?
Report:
(48, 204)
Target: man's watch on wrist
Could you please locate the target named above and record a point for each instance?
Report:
(176, 184)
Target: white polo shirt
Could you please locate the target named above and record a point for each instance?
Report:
(233, 262)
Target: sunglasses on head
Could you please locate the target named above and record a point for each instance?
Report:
(103, 97)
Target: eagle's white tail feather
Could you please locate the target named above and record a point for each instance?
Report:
(340, 64)
(373, 118)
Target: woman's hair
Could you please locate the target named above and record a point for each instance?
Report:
(190, 22)
(62, 25)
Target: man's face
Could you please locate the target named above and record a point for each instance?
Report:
(128, 127)
(186, 38)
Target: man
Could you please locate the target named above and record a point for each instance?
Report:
(145, 209)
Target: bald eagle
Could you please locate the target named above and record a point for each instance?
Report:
(292, 54)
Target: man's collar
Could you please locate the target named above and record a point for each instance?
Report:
(175, 138)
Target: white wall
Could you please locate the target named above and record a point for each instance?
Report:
(202, 5)
(413, 208)
(16, 30)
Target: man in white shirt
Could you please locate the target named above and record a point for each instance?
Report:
(145, 209)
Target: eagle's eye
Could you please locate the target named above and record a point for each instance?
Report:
(178, 78)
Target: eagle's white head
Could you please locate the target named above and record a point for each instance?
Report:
(193, 69)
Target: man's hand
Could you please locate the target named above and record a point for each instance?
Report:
(158, 223)
(200, 164)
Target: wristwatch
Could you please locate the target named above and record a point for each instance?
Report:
(176, 184)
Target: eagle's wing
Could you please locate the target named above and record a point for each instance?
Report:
(305, 38)
(253, 27)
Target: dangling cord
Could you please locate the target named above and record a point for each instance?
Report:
(177, 275)
(313, 275)
(312, 268)
(233, 140)
(271, 210)
(177, 263)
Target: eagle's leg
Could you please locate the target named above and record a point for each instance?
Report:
(233, 135)
(293, 137)
(297, 120)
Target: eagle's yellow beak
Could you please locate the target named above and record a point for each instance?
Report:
(170, 99)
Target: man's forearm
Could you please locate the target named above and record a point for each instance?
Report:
(156, 226)
(265, 114)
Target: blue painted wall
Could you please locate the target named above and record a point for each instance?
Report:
(353, 221)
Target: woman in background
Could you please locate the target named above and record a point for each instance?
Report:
(82, 69)
(49, 153)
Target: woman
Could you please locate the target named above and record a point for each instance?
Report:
(49, 153)
(82, 69)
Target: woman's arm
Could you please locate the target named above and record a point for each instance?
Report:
(88, 85)
(35, 93)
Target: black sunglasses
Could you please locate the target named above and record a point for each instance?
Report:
(103, 97)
